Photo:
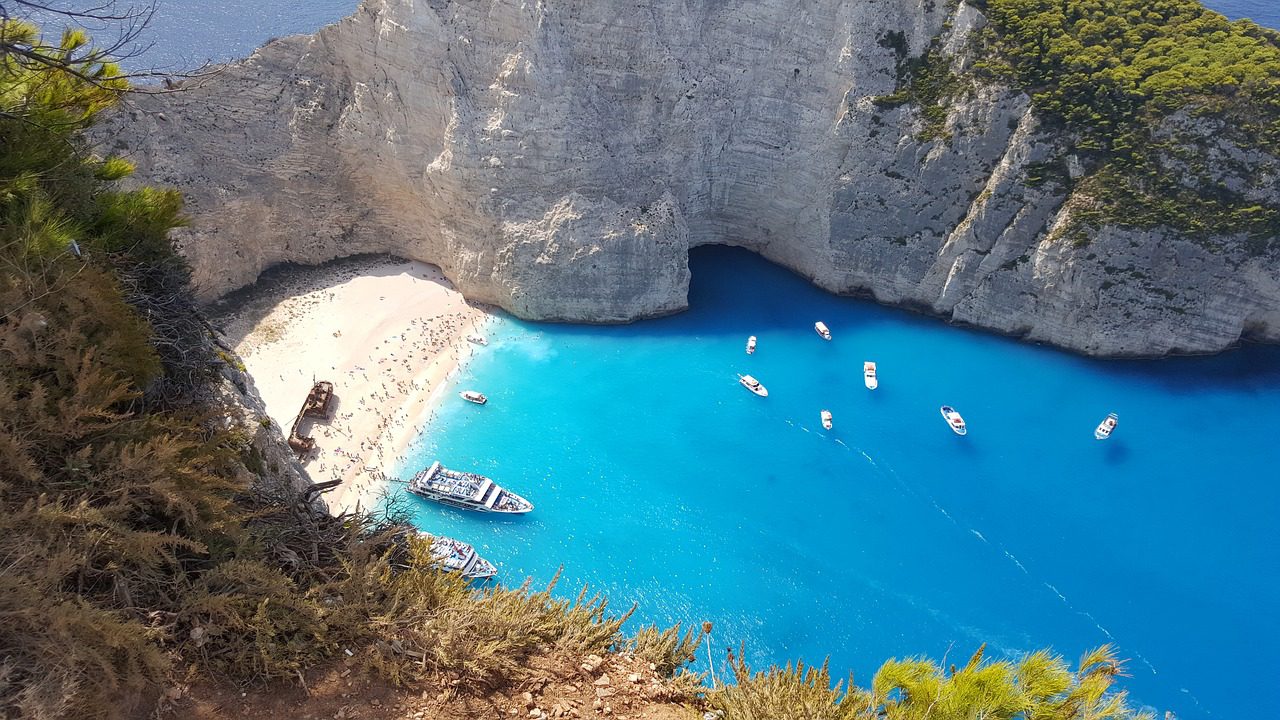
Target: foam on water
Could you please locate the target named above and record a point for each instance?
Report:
(658, 480)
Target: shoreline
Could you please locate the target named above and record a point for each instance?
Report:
(388, 333)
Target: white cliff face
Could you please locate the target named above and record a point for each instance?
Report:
(559, 157)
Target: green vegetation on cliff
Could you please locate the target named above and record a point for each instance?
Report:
(1167, 104)
(139, 540)
(1039, 685)
(925, 81)
(145, 538)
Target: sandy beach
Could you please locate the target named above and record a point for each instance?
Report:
(386, 332)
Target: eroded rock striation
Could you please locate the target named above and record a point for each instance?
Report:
(559, 158)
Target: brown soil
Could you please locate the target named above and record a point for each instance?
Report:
(617, 687)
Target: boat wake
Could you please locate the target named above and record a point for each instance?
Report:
(888, 472)
(1015, 561)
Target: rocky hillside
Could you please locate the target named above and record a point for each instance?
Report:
(559, 158)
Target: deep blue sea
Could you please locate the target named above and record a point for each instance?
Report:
(186, 33)
(657, 479)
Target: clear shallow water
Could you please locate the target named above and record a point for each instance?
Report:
(661, 481)
(658, 480)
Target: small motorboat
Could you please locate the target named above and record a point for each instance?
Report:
(477, 339)
(473, 397)
(753, 385)
(821, 328)
(954, 421)
(751, 344)
(1105, 427)
(826, 419)
(869, 375)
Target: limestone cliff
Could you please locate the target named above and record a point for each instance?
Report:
(558, 158)
(275, 472)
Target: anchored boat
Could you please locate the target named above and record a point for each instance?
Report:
(869, 375)
(1105, 427)
(826, 419)
(751, 344)
(753, 385)
(477, 339)
(459, 557)
(954, 421)
(821, 328)
(473, 397)
(469, 491)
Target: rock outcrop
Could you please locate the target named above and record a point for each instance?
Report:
(276, 473)
(559, 158)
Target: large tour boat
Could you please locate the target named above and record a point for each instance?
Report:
(459, 557)
(1105, 427)
(753, 385)
(826, 419)
(954, 421)
(821, 328)
(469, 491)
(869, 375)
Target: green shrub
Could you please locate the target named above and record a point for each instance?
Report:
(1039, 685)
(1128, 81)
(925, 82)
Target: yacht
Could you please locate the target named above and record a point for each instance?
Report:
(826, 419)
(473, 397)
(477, 339)
(1106, 426)
(751, 344)
(954, 421)
(869, 375)
(753, 385)
(821, 328)
(469, 491)
(459, 557)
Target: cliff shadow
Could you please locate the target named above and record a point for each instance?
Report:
(238, 313)
(736, 292)
(1249, 367)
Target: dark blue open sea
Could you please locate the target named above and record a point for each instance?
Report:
(657, 479)
(187, 33)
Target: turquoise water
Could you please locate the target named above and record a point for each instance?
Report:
(658, 480)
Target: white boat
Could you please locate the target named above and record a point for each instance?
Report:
(826, 419)
(869, 375)
(477, 339)
(753, 385)
(459, 557)
(954, 421)
(751, 344)
(473, 396)
(821, 328)
(469, 491)
(1106, 426)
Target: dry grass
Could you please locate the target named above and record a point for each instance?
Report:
(797, 691)
(135, 547)
(667, 649)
